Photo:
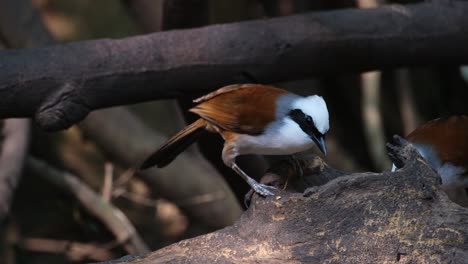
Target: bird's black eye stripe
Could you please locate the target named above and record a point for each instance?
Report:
(315, 131)
(305, 122)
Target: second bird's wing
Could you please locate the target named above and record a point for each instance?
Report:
(445, 135)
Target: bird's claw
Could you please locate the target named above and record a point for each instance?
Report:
(263, 190)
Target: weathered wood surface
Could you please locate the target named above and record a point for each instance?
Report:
(59, 85)
(401, 217)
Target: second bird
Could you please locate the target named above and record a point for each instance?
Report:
(252, 119)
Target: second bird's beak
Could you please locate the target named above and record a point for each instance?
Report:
(320, 142)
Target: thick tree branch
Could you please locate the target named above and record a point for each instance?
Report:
(59, 85)
(358, 218)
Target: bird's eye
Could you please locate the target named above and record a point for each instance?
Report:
(309, 119)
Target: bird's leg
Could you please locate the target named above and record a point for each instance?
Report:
(230, 152)
(259, 188)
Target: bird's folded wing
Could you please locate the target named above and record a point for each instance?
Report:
(246, 108)
(445, 135)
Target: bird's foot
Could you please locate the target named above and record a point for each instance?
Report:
(263, 190)
(260, 188)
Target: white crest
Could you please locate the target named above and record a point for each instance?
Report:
(315, 107)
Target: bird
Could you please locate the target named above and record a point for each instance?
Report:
(443, 143)
(252, 119)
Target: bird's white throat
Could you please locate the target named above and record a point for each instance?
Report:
(283, 137)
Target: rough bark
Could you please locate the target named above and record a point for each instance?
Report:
(60, 85)
(356, 218)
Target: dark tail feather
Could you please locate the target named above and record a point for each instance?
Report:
(175, 145)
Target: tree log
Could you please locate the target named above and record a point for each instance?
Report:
(59, 85)
(356, 218)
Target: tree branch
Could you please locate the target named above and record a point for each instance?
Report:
(59, 85)
(75, 251)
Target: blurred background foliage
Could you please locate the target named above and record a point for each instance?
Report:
(362, 120)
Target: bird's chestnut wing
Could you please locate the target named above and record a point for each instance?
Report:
(246, 108)
(448, 136)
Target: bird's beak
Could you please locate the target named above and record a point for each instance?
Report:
(320, 142)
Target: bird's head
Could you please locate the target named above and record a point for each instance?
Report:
(311, 114)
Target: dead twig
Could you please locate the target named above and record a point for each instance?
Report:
(203, 198)
(75, 251)
(106, 191)
(14, 150)
(136, 198)
(111, 216)
(124, 178)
